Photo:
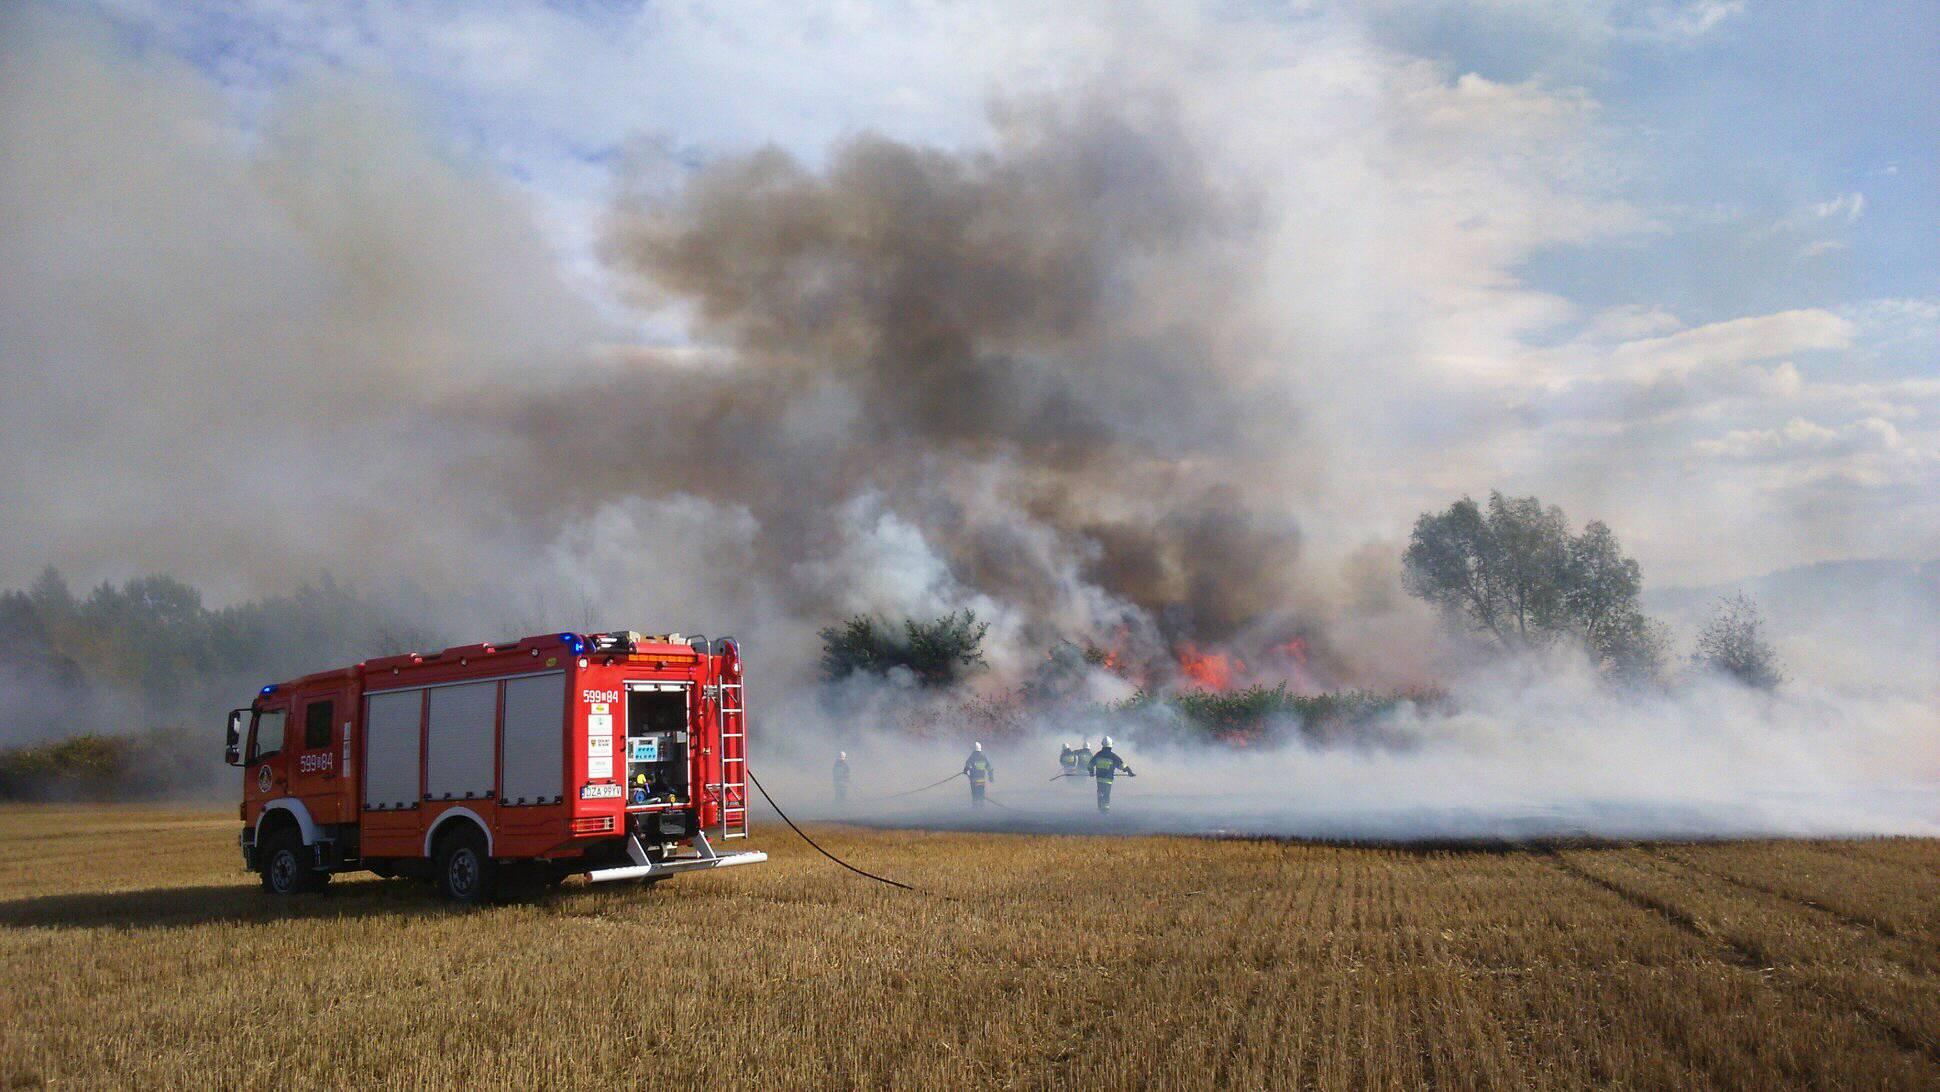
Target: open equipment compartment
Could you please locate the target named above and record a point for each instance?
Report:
(658, 715)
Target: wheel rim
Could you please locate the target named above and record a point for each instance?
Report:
(282, 870)
(463, 873)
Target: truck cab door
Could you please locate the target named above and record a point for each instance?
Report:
(318, 731)
(266, 765)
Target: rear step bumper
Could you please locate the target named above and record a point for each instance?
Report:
(642, 868)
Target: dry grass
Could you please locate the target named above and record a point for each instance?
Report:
(134, 953)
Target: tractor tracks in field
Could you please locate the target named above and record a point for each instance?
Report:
(1728, 951)
(1752, 960)
(1882, 929)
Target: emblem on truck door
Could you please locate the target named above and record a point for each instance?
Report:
(262, 779)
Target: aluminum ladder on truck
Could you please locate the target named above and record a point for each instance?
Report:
(732, 714)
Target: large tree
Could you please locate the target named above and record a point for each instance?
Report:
(1515, 573)
(1600, 592)
(1501, 571)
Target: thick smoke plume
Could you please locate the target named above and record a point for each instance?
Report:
(1167, 365)
(1014, 381)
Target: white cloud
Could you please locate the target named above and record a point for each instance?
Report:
(1733, 341)
(1688, 21)
(1848, 207)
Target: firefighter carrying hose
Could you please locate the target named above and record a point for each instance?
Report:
(1104, 768)
(1068, 760)
(841, 776)
(978, 769)
(1081, 759)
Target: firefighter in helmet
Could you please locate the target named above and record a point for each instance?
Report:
(1105, 766)
(978, 769)
(1081, 758)
(1068, 760)
(841, 775)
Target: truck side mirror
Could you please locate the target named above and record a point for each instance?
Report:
(232, 752)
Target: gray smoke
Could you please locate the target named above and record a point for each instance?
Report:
(1174, 357)
(1022, 363)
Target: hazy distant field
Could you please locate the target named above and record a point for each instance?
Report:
(134, 953)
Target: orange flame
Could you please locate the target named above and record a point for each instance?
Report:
(1209, 670)
(1294, 650)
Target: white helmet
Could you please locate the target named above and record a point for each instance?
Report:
(843, 755)
(976, 746)
(1104, 741)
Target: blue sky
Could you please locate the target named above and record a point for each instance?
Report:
(1669, 263)
(1740, 119)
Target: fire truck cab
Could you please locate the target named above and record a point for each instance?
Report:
(613, 755)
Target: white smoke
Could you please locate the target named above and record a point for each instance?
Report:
(1177, 347)
(1541, 749)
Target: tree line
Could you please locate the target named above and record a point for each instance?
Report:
(1514, 574)
(144, 669)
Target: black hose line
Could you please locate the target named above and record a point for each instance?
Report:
(819, 849)
(926, 788)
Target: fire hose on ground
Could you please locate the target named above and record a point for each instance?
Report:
(804, 837)
(925, 788)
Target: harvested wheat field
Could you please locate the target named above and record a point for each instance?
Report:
(135, 953)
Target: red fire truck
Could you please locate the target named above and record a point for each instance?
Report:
(610, 754)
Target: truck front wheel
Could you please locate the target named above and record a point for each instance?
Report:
(285, 872)
(466, 873)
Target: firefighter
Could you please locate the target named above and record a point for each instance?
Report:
(978, 769)
(1104, 767)
(1081, 758)
(1068, 760)
(841, 776)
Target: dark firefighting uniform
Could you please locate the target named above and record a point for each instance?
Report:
(978, 769)
(1104, 768)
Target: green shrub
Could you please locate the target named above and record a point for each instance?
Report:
(1256, 712)
(938, 653)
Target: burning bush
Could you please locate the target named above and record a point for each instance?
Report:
(1258, 713)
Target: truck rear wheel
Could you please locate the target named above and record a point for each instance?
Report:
(466, 872)
(285, 871)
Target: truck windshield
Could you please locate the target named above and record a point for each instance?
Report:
(266, 738)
